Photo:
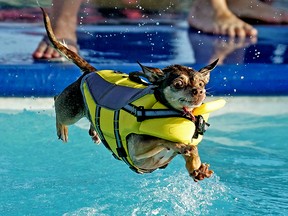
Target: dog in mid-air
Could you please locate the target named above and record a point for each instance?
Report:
(176, 89)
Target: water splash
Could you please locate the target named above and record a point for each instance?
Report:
(87, 211)
(86, 13)
(179, 196)
(175, 194)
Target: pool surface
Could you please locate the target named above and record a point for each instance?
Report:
(246, 147)
(246, 144)
(248, 67)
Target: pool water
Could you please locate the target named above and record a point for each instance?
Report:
(247, 149)
(246, 144)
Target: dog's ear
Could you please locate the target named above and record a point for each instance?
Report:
(206, 70)
(209, 67)
(154, 75)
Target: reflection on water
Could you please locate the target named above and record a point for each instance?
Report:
(248, 66)
(127, 44)
(228, 50)
(179, 45)
(151, 43)
(266, 49)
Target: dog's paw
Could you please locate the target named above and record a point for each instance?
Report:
(94, 136)
(201, 173)
(62, 132)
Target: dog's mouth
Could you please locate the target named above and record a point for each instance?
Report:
(190, 103)
(185, 100)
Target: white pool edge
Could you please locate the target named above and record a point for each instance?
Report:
(253, 105)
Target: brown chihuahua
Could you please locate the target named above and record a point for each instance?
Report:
(178, 87)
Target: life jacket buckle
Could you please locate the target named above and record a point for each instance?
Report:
(142, 116)
(200, 126)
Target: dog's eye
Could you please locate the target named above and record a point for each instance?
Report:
(178, 84)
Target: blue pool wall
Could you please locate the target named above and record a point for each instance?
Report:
(229, 80)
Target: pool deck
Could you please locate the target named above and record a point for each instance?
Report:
(248, 68)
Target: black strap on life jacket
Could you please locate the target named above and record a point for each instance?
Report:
(121, 152)
(99, 131)
(120, 149)
(143, 114)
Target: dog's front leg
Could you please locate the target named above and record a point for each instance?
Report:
(195, 168)
(94, 135)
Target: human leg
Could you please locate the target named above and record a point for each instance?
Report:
(258, 10)
(64, 22)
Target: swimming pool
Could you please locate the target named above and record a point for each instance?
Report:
(246, 144)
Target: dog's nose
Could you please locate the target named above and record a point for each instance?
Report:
(194, 91)
(198, 91)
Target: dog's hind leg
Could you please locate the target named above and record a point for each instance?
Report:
(69, 108)
(62, 131)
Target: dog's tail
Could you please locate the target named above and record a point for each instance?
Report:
(63, 50)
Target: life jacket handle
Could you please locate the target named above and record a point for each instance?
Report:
(136, 77)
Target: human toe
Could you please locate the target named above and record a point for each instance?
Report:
(250, 31)
(231, 32)
(50, 53)
(240, 32)
(40, 50)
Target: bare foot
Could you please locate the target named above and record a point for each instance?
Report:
(45, 51)
(258, 10)
(64, 22)
(215, 17)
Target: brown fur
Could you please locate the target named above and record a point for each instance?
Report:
(178, 87)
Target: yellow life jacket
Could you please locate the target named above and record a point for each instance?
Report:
(118, 107)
